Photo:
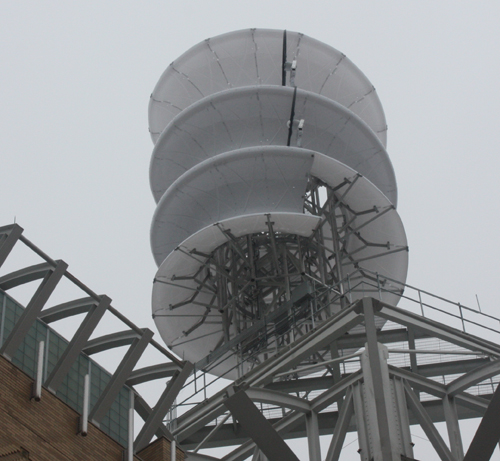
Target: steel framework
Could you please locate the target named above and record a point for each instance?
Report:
(333, 379)
(281, 261)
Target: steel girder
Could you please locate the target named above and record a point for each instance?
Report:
(452, 402)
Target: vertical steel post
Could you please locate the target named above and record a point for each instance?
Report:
(404, 420)
(462, 317)
(173, 450)
(384, 433)
(312, 429)
(450, 413)
(344, 418)
(84, 418)
(37, 385)
(2, 318)
(421, 305)
(364, 447)
(130, 441)
(349, 288)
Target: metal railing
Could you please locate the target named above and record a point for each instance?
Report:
(353, 287)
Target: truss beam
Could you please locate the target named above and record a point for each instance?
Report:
(163, 405)
(74, 348)
(120, 376)
(33, 309)
(427, 425)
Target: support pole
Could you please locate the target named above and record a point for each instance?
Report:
(130, 442)
(312, 429)
(37, 385)
(404, 419)
(384, 451)
(450, 413)
(173, 450)
(364, 446)
(84, 419)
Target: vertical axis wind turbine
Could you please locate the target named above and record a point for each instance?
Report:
(276, 198)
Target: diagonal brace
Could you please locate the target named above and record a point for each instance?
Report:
(32, 310)
(166, 400)
(76, 345)
(257, 426)
(425, 421)
(120, 376)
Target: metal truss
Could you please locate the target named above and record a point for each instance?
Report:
(417, 370)
(326, 401)
(94, 306)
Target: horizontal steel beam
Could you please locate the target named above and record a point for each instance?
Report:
(305, 384)
(25, 275)
(305, 346)
(338, 390)
(437, 330)
(294, 428)
(419, 382)
(279, 399)
(65, 310)
(106, 342)
(146, 374)
(473, 377)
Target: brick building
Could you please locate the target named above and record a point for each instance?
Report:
(48, 427)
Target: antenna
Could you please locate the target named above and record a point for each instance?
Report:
(276, 204)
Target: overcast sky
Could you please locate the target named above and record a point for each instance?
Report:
(75, 82)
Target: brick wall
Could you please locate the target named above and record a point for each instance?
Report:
(159, 450)
(46, 429)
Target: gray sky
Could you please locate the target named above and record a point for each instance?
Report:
(75, 82)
